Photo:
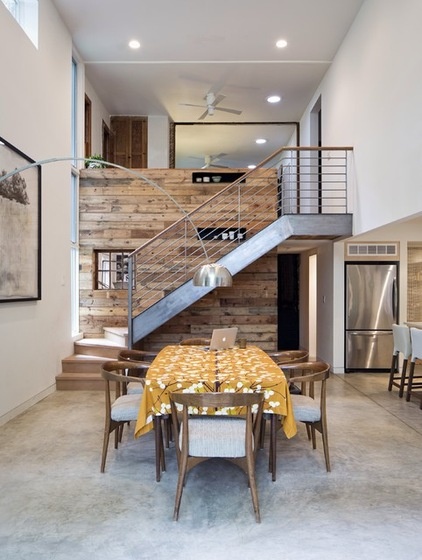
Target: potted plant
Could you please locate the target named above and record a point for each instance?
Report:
(97, 164)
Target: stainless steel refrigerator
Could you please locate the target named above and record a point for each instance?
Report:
(371, 310)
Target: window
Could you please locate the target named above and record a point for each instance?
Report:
(25, 13)
(111, 268)
(74, 220)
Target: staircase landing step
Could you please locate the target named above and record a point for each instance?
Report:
(102, 347)
(79, 382)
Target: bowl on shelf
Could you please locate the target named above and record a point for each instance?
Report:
(216, 178)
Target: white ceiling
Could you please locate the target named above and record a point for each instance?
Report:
(192, 47)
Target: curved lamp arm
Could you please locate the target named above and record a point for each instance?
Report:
(209, 274)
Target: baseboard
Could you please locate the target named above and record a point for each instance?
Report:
(27, 404)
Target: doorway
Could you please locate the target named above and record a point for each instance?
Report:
(288, 301)
(312, 334)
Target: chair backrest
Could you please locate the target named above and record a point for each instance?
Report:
(116, 371)
(250, 407)
(307, 374)
(416, 338)
(195, 342)
(137, 355)
(402, 341)
(289, 356)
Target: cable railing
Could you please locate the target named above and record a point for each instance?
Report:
(293, 180)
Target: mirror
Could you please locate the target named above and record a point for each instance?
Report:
(231, 145)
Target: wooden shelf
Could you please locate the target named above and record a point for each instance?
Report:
(223, 234)
(212, 177)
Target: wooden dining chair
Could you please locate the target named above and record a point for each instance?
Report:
(414, 383)
(195, 342)
(122, 408)
(281, 357)
(199, 437)
(289, 356)
(309, 407)
(402, 345)
(144, 359)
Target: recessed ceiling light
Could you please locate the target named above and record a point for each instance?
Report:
(251, 166)
(134, 44)
(260, 141)
(273, 99)
(281, 43)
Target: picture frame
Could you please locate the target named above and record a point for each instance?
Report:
(20, 226)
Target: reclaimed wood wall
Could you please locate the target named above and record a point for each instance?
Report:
(119, 210)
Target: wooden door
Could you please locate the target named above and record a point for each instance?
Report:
(130, 141)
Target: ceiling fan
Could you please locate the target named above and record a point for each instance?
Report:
(210, 161)
(211, 106)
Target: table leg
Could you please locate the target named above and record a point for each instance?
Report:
(159, 448)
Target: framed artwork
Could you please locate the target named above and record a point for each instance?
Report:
(20, 226)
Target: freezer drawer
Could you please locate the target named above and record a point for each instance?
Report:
(369, 350)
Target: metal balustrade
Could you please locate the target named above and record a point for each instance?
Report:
(307, 181)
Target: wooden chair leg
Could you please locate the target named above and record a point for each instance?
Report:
(252, 484)
(159, 448)
(410, 381)
(273, 447)
(403, 378)
(394, 362)
(105, 448)
(180, 484)
(325, 446)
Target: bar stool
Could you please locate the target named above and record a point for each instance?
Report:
(416, 338)
(403, 345)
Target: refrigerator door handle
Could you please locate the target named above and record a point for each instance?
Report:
(370, 333)
(394, 298)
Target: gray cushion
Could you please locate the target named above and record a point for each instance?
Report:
(134, 388)
(216, 436)
(305, 409)
(126, 408)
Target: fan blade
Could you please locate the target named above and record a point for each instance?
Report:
(218, 156)
(204, 114)
(226, 110)
(218, 99)
(191, 105)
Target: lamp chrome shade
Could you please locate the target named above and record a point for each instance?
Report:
(212, 276)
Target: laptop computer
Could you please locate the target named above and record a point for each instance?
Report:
(223, 338)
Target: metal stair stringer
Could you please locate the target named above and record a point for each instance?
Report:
(322, 226)
(239, 258)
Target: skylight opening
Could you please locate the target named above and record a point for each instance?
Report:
(25, 13)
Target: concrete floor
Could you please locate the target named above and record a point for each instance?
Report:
(55, 504)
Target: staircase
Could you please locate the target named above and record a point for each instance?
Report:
(82, 370)
(309, 200)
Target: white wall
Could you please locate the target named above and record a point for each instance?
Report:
(158, 142)
(35, 117)
(371, 101)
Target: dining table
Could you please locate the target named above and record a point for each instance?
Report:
(198, 369)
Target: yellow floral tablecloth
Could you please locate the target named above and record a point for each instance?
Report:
(196, 369)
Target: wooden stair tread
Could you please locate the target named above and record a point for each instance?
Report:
(71, 381)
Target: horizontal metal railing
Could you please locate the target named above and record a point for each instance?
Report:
(293, 180)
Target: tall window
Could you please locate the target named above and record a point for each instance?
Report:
(25, 13)
(74, 224)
